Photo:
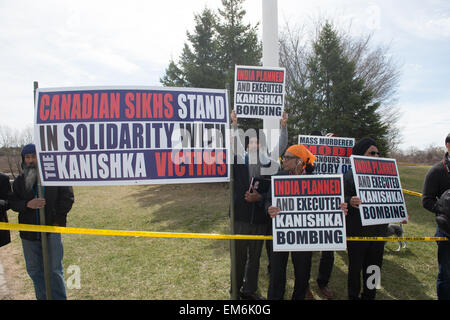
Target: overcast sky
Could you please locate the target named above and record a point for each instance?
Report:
(118, 43)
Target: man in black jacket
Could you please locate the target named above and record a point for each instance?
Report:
(436, 183)
(250, 186)
(57, 202)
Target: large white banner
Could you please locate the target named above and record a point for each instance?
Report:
(132, 135)
(311, 218)
(259, 92)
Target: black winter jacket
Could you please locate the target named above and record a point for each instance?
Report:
(59, 201)
(436, 182)
(244, 211)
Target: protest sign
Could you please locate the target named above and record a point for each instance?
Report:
(378, 186)
(311, 218)
(332, 153)
(131, 135)
(259, 92)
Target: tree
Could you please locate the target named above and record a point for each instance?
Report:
(238, 42)
(329, 89)
(219, 42)
(12, 141)
(198, 65)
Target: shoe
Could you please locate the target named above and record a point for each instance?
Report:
(326, 292)
(251, 296)
(309, 295)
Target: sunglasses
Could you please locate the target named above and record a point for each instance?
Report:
(288, 158)
(372, 153)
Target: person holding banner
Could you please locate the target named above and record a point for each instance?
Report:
(436, 183)
(57, 202)
(361, 254)
(297, 160)
(250, 187)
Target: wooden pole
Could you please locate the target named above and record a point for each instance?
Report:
(44, 238)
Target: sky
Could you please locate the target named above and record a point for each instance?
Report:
(130, 43)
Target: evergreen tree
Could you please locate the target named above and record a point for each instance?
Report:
(238, 43)
(331, 97)
(198, 65)
(218, 43)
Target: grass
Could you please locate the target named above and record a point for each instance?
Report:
(157, 268)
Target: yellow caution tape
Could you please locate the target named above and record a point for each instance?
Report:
(125, 233)
(397, 239)
(413, 193)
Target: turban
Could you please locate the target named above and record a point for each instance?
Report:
(362, 145)
(28, 149)
(301, 152)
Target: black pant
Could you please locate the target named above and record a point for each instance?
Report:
(248, 253)
(325, 268)
(302, 271)
(361, 255)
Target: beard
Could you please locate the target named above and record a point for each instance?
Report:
(30, 174)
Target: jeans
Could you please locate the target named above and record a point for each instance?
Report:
(443, 278)
(32, 251)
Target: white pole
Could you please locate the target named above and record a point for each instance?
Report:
(270, 58)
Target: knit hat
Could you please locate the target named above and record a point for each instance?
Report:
(28, 149)
(303, 153)
(362, 145)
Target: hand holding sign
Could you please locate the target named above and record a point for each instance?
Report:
(355, 202)
(284, 119)
(273, 211)
(36, 203)
(252, 196)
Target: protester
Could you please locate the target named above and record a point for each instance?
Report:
(297, 160)
(326, 261)
(361, 254)
(5, 189)
(250, 187)
(57, 202)
(437, 181)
